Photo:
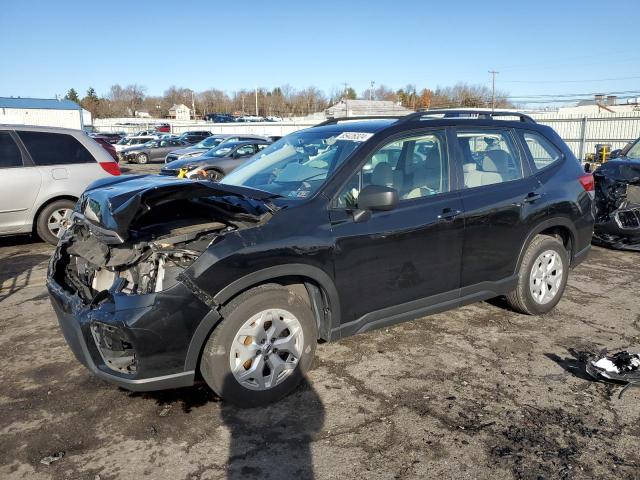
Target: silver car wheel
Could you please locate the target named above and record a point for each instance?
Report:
(546, 277)
(59, 221)
(266, 349)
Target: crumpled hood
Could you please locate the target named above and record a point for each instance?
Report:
(116, 203)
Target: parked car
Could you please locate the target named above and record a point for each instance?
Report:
(104, 143)
(219, 117)
(195, 136)
(249, 118)
(163, 127)
(209, 143)
(112, 138)
(43, 171)
(132, 141)
(151, 151)
(334, 230)
(273, 118)
(217, 162)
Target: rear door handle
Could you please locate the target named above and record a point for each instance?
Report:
(532, 197)
(448, 214)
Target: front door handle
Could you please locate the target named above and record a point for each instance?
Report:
(532, 197)
(448, 214)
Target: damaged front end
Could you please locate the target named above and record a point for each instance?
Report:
(116, 278)
(617, 205)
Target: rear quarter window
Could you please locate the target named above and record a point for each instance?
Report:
(55, 148)
(542, 151)
(10, 155)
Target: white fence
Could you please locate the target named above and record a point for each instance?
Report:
(582, 133)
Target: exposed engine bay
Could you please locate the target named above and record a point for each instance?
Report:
(137, 242)
(617, 205)
(92, 267)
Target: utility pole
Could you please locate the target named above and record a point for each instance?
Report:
(256, 101)
(371, 90)
(493, 88)
(193, 104)
(344, 91)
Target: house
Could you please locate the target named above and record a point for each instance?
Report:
(49, 112)
(180, 112)
(142, 114)
(602, 104)
(354, 108)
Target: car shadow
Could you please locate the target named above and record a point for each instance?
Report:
(17, 271)
(273, 441)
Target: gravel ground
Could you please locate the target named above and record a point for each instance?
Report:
(478, 392)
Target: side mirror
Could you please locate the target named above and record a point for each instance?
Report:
(377, 197)
(587, 168)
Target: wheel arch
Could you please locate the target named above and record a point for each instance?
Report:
(560, 227)
(45, 204)
(313, 284)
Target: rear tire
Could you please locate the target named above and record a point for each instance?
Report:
(542, 276)
(49, 220)
(275, 373)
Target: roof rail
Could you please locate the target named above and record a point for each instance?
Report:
(453, 113)
(333, 121)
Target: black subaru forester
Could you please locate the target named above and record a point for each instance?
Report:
(348, 226)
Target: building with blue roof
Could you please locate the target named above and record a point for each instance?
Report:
(48, 112)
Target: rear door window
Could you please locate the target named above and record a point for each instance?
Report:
(10, 155)
(489, 157)
(542, 151)
(54, 148)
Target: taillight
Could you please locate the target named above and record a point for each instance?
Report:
(111, 168)
(587, 182)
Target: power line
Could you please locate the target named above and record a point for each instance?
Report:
(572, 81)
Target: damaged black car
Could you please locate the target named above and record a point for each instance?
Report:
(348, 226)
(617, 202)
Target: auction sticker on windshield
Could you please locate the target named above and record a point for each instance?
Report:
(355, 136)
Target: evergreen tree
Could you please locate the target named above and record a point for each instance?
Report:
(72, 95)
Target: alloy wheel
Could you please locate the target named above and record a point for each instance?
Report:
(266, 349)
(59, 221)
(546, 276)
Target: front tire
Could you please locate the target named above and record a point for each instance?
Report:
(263, 347)
(542, 276)
(142, 158)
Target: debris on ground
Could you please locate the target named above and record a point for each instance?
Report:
(48, 460)
(165, 410)
(620, 367)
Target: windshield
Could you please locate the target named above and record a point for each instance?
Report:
(124, 141)
(297, 165)
(208, 143)
(634, 151)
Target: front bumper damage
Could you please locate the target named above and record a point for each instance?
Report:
(617, 205)
(121, 295)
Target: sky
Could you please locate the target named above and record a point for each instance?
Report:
(539, 48)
